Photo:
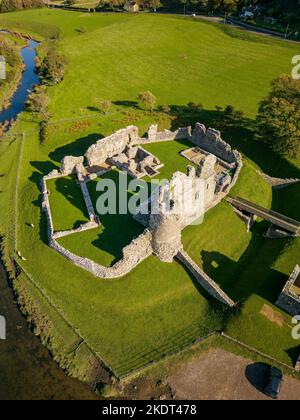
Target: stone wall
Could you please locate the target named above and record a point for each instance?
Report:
(210, 140)
(133, 254)
(69, 165)
(179, 134)
(88, 202)
(163, 238)
(46, 208)
(279, 183)
(287, 300)
(203, 279)
(81, 228)
(112, 145)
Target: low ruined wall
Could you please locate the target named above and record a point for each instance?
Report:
(46, 209)
(179, 134)
(133, 254)
(203, 279)
(210, 140)
(279, 183)
(88, 201)
(81, 228)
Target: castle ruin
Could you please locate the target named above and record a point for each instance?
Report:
(215, 171)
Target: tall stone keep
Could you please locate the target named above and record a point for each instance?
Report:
(166, 235)
(206, 172)
(165, 225)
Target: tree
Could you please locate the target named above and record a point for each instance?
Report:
(38, 100)
(104, 105)
(278, 118)
(11, 5)
(195, 107)
(53, 66)
(232, 116)
(147, 100)
(154, 4)
(187, 3)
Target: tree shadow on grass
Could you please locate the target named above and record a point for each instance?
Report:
(93, 109)
(127, 104)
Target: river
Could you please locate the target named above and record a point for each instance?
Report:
(27, 370)
(29, 78)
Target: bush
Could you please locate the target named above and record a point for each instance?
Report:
(44, 132)
(146, 100)
(195, 107)
(52, 68)
(38, 100)
(104, 105)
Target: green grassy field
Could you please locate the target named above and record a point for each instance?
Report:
(156, 308)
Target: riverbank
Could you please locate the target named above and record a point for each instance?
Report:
(9, 47)
(22, 352)
(27, 370)
(26, 79)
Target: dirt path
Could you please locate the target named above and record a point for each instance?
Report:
(219, 375)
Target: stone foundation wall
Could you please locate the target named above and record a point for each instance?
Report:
(69, 164)
(204, 280)
(133, 254)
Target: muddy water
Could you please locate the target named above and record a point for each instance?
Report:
(27, 370)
